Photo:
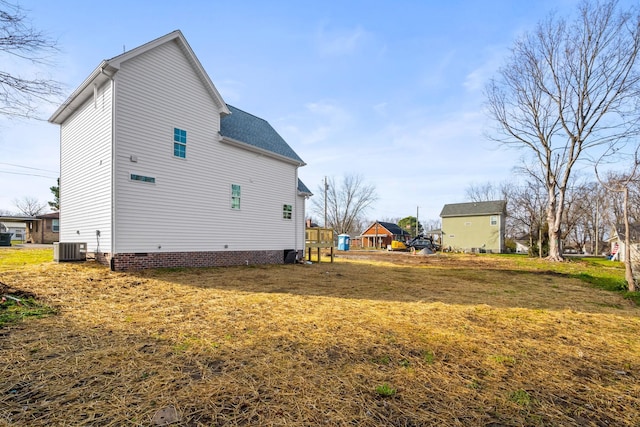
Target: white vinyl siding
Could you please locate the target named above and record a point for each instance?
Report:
(156, 92)
(85, 181)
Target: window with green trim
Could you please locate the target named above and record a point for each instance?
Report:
(136, 177)
(179, 143)
(287, 211)
(235, 196)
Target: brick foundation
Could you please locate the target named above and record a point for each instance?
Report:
(141, 261)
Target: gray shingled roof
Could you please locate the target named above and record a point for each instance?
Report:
(495, 207)
(244, 127)
(303, 188)
(393, 228)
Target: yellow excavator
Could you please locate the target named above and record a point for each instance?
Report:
(416, 244)
(397, 245)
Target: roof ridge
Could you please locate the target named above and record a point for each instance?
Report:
(174, 34)
(248, 113)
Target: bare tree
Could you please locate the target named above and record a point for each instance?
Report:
(487, 192)
(494, 191)
(587, 216)
(432, 224)
(568, 88)
(634, 201)
(19, 94)
(347, 202)
(617, 201)
(527, 203)
(29, 206)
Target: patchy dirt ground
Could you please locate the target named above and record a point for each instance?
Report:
(409, 258)
(372, 339)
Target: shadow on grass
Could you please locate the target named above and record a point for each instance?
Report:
(462, 285)
(609, 284)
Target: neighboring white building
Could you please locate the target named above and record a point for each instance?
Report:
(617, 242)
(147, 142)
(16, 226)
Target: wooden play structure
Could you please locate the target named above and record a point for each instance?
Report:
(318, 238)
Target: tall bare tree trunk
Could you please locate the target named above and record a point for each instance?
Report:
(553, 221)
(628, 268)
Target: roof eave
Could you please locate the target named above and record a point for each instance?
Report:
(111, 66)
(101, 74)
(470, 214)
(9, 218)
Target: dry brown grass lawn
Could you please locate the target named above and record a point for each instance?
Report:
(455, 340)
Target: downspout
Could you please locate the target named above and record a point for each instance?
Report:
(113, 165)
(295, 213)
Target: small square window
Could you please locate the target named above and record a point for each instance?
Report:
(235, 196)
(494, 220)
(179, 143)
(287, 211)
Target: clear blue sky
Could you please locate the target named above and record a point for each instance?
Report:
(392, 91)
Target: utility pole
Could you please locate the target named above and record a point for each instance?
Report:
(417, 221)
(596, 233)
(376, 238)
(325, 201)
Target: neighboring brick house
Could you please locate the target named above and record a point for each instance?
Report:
(474, 226)
(43, 228)
(380, 234)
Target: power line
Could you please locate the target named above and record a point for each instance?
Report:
(27, 167)
(29, 174)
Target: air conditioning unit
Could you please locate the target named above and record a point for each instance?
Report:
(69, 251)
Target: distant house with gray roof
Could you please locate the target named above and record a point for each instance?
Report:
(146, 141)
(474, 226)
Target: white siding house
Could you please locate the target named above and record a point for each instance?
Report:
(147, 141)
(618, 245)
